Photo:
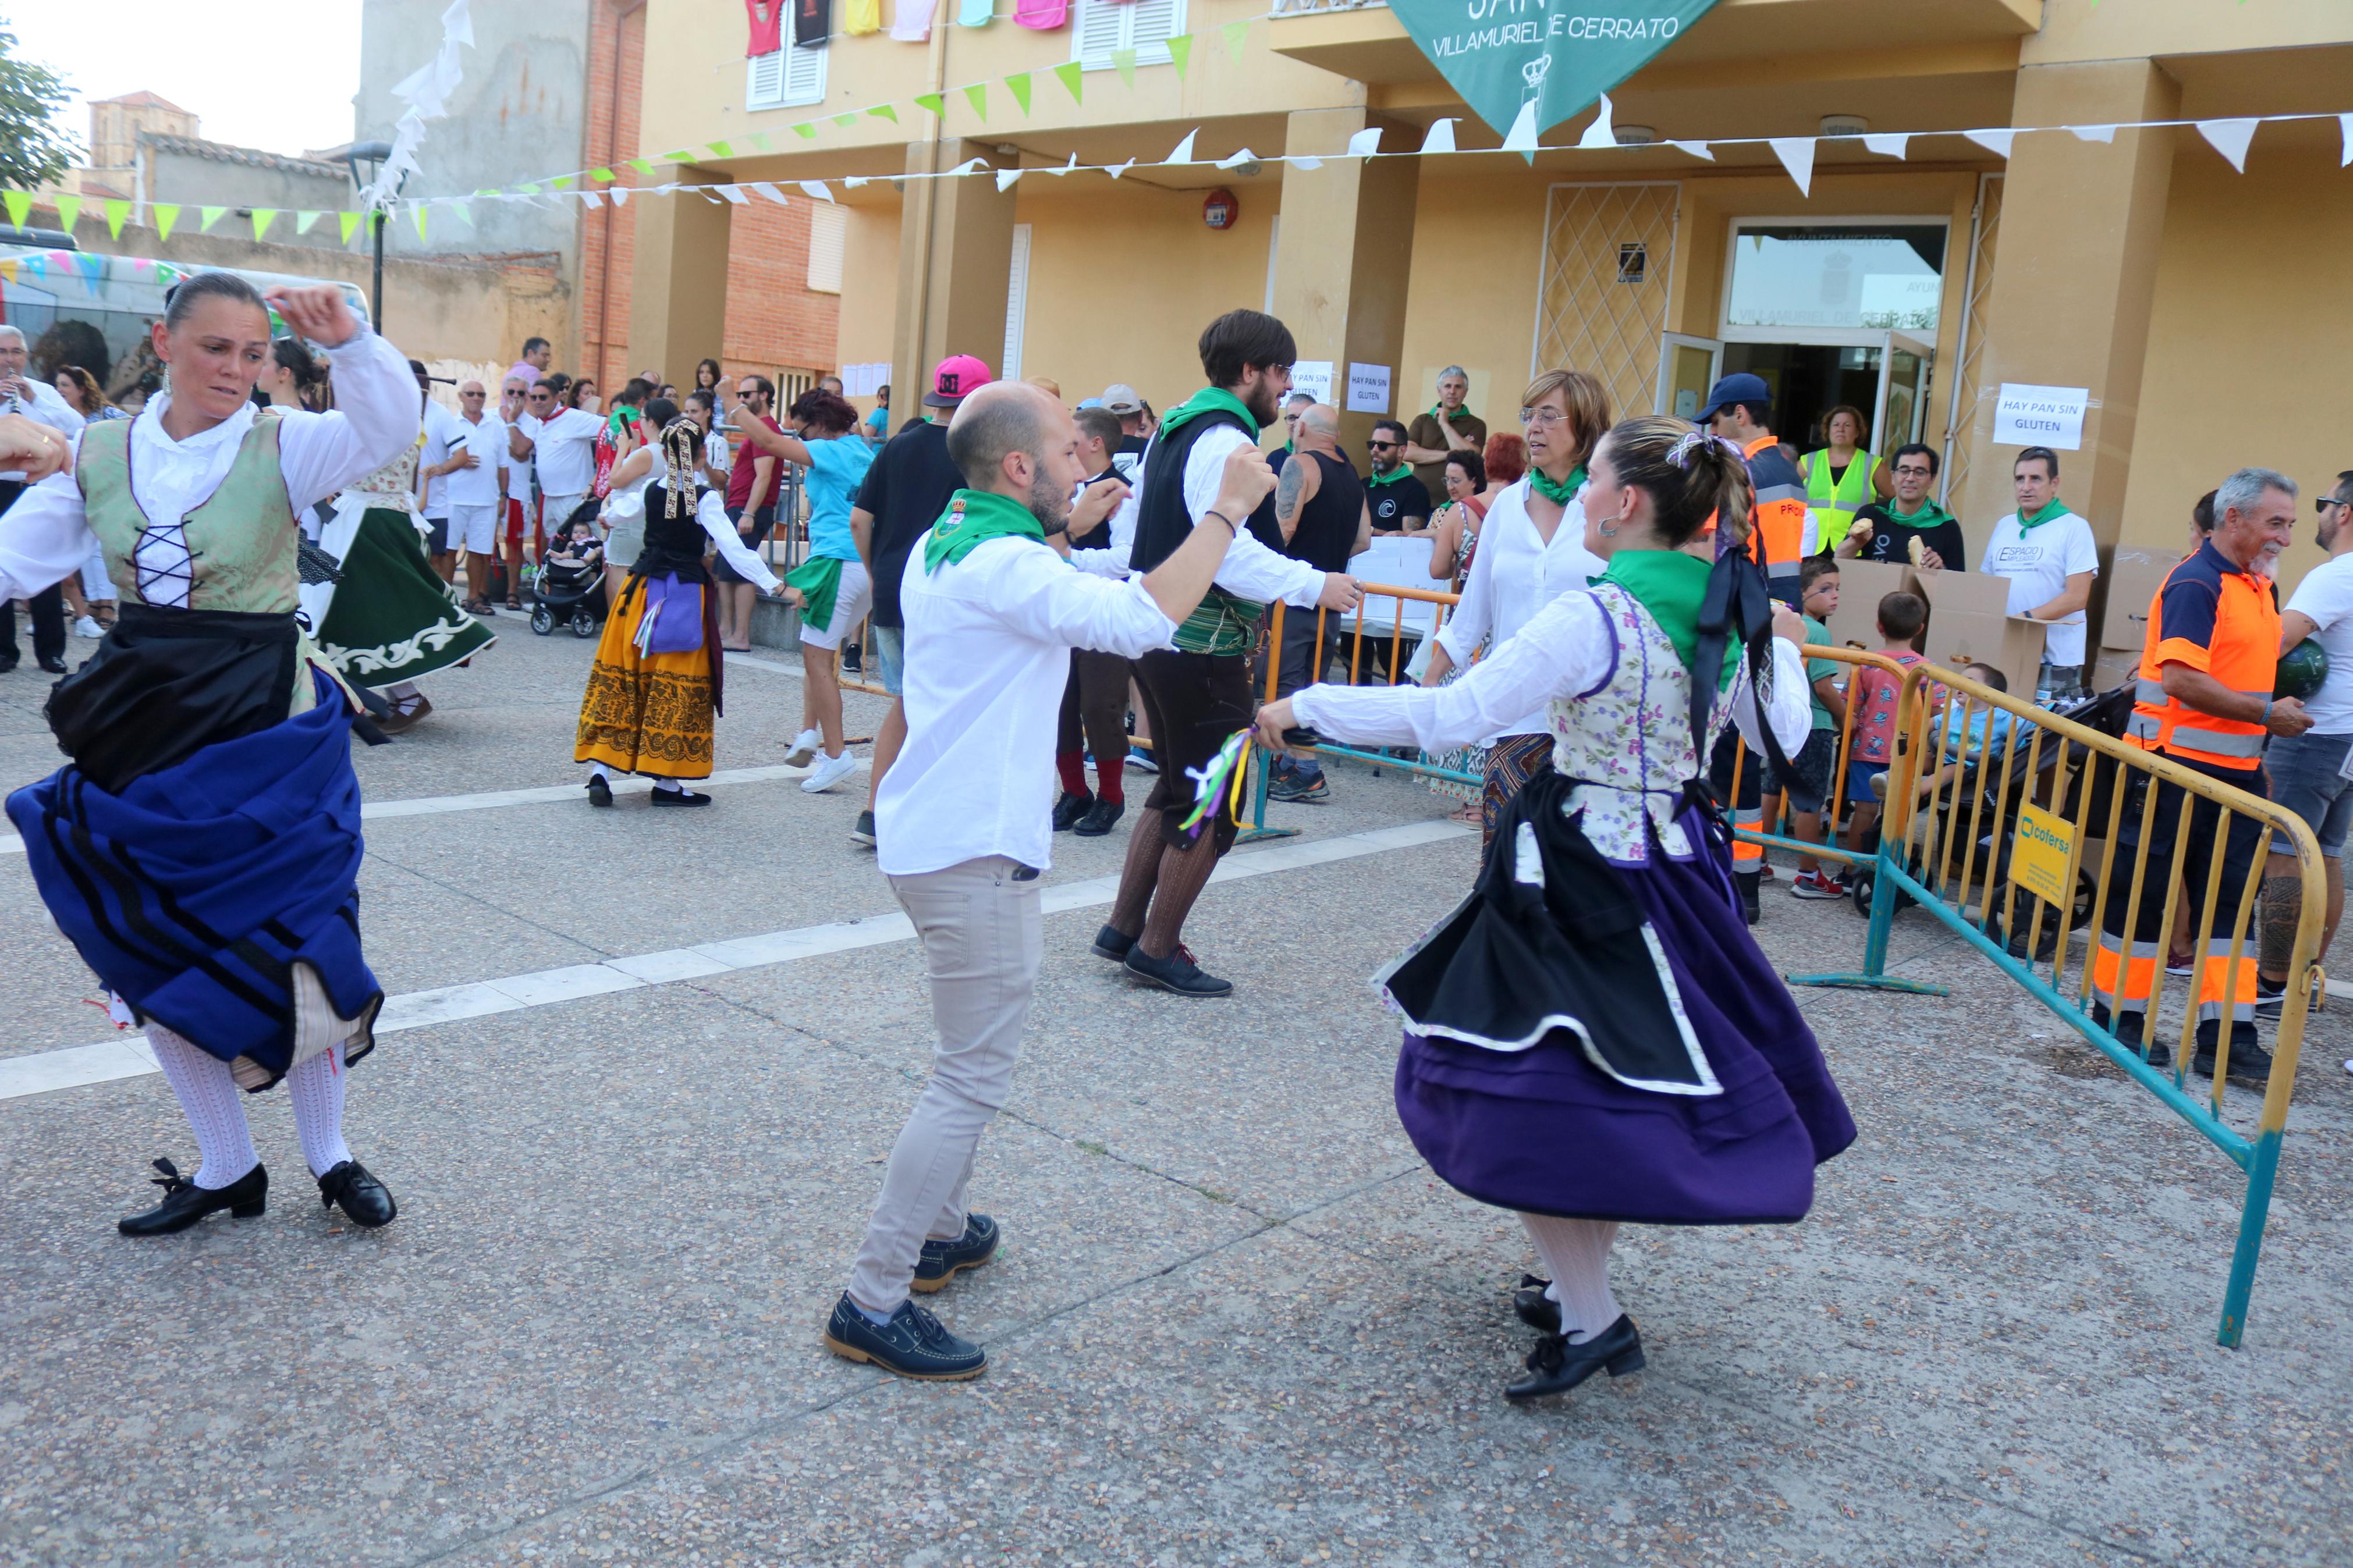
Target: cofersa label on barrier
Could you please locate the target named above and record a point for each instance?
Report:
(2043, 856)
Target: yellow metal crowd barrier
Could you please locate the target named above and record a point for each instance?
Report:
(1997, 813)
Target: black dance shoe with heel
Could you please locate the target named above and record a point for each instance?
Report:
(1559, 1366)
(1536, 1308)
(185, 1203)
(362, 1198)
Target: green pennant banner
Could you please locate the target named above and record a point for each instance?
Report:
(978, 96)
(1019, 86)
(118, 213)
(604, 175)
(19, 205)
(207, 217)
(416, 213)
(303, 220)
(1123, 62)
(932, 101)
(261, 219)
(68, 209)
(846, 119)
(561, 183)
(1237, 34)
(349, 223)
(884, 111)
(1524, 72)
(167, 215)
(721, 150)
(642, 165)
(1072, 76)
(805, 131)
(1180, 52)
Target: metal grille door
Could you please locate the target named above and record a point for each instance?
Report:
(1602, 302)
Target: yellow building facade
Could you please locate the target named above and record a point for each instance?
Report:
(2203, 310)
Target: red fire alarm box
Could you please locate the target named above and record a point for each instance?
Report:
(1221, 210)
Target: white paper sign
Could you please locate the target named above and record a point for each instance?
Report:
(1312, 376)
(1368, 389)
(2049, 417)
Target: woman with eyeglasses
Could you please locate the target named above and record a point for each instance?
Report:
(1531, 551)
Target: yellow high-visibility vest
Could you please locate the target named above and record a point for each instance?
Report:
(1836, 503)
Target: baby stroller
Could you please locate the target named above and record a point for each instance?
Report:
(572, 577)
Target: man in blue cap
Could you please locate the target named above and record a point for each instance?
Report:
(1740, 409)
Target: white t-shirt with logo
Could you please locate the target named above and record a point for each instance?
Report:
(2038, 561)
(2326, 595)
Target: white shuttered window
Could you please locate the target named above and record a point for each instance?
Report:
(1144, 26)
(829, 237)
(1016, 301)
(786, 78)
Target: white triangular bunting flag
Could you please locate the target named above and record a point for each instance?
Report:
(2344, 125)
(1117, 170)
(1796, 155)
(1887, 146)
(620, 194)
(1304, 162)
(1522, 137)
(1440, 137)
(768, 189)
(967, 167)
(1599, 134)
(1238, 159)
(855, 181)
(735, 195)
(1696, 148)
(2229, 138)
(1365, 142)
(592, 198)
(1995, 141)
(2094, 133)
(1067, 167)
(1005, 178)
(1183, 151)
(819, 191)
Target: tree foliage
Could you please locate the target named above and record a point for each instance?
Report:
(33, 151)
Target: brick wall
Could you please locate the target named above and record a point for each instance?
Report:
(773, 321)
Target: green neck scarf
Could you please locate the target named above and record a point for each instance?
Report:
(1929, 515)
(1670, 585)
(974, 517)
(1202, 402)
(2052, 508)
(1401, 472)
(1563, 493)
(1438, 411)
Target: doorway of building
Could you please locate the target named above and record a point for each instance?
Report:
(1889, 382)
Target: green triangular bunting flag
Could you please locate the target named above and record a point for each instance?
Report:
(1123, 61)
(604, 175)
(417, 213)
(806, 129)
(642, 165)
(1237, 34)
(681, 156)
(719, 148)
(19, 205)
(261, 219)
(845, 118)
(350, 223)
(561, 183)
(165, 216)
(978, 96)
(68, 209)
(1180, 52)
(884, 111)
(760, 140)
(930, 100)
(207, 217)
(302, 221)
(1070, 74)
(1019, 85)
(117, 213)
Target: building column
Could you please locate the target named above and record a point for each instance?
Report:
(2074, 272)
(955, 266)
(1343, 253)
(678, 282)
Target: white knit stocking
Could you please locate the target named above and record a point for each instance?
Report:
(316, 1088)
(1577, 1252)
(213, 1103)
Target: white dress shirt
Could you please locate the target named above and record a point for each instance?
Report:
(1515, 573)
(45, 405)
(989, 642)
(444, 431)
(564, 448)
(1566, 649)
(1250, 570)
(486, 439)
(44, 536)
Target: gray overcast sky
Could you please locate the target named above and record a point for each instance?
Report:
(273, 74)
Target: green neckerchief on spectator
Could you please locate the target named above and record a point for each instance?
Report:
(1438, 411)
(2054, 507)
(1558, 494)
(1202, 402)
(1929, 515)
(1670, 585)
(974, 517)
(1401, 472)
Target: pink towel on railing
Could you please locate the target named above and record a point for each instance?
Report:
(1043, 15)
(911, 22)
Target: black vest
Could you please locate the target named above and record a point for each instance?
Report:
(1162, 522)
(673, 544)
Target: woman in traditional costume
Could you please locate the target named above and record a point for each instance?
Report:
(654, 687)
(388, 619)
(202, 848)
(1593, 1038)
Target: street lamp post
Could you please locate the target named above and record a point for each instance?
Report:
(373, 154)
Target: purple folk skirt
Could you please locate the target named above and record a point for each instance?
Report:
(1545, 1130)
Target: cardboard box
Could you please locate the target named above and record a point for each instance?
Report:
(2134, 577)
(2115, 669)
(1969, 623)
(1862, 585)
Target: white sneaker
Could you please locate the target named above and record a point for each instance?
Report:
(829, 772)
(88, 626)
(804, 747)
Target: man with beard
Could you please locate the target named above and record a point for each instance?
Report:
(993, 608)
(1199, 692)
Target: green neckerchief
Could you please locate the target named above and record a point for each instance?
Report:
(1929, 515)
(2052, 508)
(1563, 493)
(1291, 448)
(819, 580)
(1670, 585)
(974, 517)
(1401, 472)
(1202, 402)
(1438, 412)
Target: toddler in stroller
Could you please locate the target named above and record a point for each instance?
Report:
(572, 577)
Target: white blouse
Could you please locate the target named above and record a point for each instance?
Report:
(45, 537)
(1567, 649)
(1516, 572)
(627, 506)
